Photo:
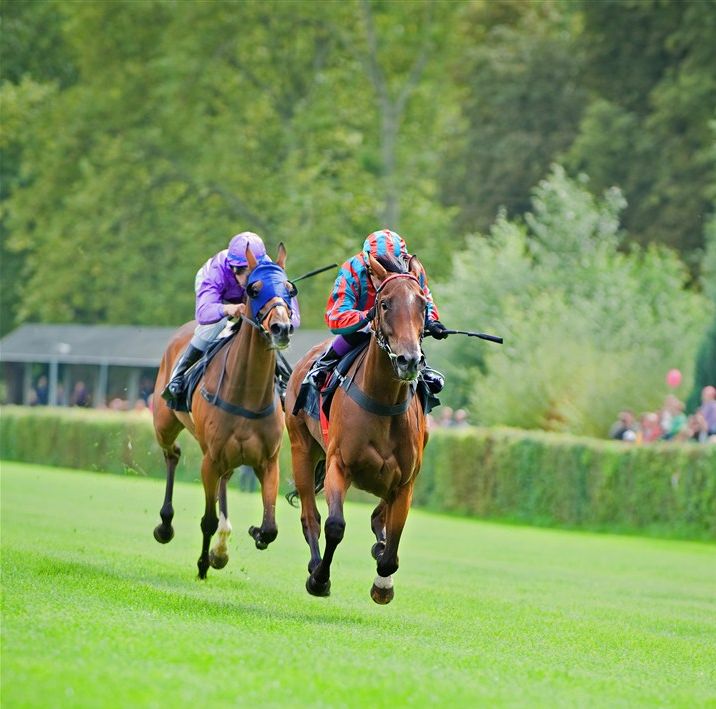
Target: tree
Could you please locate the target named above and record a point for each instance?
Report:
(520, 106)
(647, 130)
(588, 329)
(190, 122)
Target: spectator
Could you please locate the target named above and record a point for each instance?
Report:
(146, 389)
(247, 479)
(624, 428)
(446, 420)
(80, 395)
(460, 419)
(650, 427)
(42, 391)
(708, 409)
(695, 429)
(673, 418)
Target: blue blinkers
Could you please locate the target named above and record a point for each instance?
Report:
(274, 283)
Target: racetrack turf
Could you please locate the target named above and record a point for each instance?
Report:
(95, 613)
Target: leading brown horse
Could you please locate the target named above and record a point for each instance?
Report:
(236, 415)
(376, 434)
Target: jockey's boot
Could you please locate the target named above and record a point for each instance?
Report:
(321, 369)
(434, 380)
(176, 381)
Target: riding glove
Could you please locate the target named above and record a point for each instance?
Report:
(437, 330)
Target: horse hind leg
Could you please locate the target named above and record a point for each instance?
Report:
(377, 524)
(219, 554)
(268, 531)
(209, 522)
(164, 532)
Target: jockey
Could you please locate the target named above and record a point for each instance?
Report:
(354, 294)
(219, 286)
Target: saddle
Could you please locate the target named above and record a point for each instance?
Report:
(193, 375)
(318, 404)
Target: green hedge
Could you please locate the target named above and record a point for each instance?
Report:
(531, 477)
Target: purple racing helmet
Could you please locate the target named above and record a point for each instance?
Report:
(237, 248)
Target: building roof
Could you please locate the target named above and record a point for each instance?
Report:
(122, 345)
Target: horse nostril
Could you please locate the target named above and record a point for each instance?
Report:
(290, 329)
(276, 329)
(402, 361)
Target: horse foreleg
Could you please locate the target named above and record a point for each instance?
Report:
(397, 512)
(268, 531)
(219, 554)
(304, 479)
(164, 532)
(209, 522)
(319, 582)
(377, 524)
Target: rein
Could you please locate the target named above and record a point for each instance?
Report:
(227, 406)
(353, 390)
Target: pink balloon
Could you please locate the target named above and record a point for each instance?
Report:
(673, 378)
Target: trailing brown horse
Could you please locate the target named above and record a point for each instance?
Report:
(236, 415)
(376, 434)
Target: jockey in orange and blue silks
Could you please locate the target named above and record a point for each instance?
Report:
(353, 295)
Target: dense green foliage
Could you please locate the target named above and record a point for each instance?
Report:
(139, 136)
(530, 477)
(705, 367)
(589, 328)
(96, 613)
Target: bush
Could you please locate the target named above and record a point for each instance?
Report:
(589, 329)
(527, 477)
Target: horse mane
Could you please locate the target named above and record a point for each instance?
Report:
(392, 264)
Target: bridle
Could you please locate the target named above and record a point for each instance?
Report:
(380, 338)
(268, 298)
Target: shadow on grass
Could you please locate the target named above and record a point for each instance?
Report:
(166, 593)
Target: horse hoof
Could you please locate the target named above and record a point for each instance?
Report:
(376, 551)
(163, 534)
(316, 588)
(382, 596)
(261, 539)
(218, 562)
(203, 568)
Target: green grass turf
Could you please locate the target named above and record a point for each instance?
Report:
(95, 613)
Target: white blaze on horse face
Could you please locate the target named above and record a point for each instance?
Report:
(223, 532)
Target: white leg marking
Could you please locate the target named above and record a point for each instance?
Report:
(223, 532)
(383, 582)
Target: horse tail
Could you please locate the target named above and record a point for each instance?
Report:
(319, 476)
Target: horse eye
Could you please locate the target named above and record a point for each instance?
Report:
(253, 289)
(385, 305)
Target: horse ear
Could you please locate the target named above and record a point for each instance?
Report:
(415, 267)
(250, 258)
(377, 269)
(281, 258)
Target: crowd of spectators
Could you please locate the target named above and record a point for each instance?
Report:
(670, 423)
(448, 418)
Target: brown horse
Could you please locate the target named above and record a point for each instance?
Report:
(376, 433)
(236, 415)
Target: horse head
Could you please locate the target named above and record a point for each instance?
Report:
(400, 316)
(270, 294)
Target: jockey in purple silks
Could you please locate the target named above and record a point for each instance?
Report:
(219, 287)
(353, 296)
